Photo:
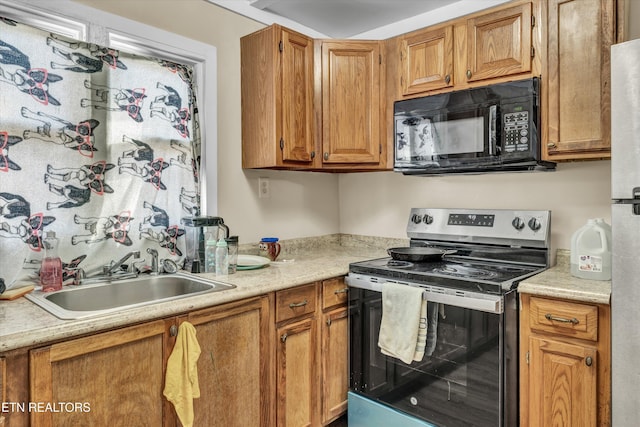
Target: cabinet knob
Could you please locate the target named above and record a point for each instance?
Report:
(283, 338)
(551, 144)
(326, 156)
(173, 330)
(447, 78)
(469, 74)
(588, 361)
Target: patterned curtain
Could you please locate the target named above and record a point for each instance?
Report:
(100, 146)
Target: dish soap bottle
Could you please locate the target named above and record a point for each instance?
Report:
(210, 256)
(222, 258)
(51, 267)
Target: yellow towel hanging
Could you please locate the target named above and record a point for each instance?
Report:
(181, 382)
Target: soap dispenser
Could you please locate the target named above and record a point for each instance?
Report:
(51, 267)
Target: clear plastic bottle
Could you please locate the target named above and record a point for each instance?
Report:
(222, 258)
(51, 267)
(210, 256)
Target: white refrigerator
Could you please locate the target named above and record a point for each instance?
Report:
(625, 221)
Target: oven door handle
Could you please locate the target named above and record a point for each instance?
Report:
(469, 300)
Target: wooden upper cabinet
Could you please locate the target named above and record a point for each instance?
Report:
(488, 46)
(499, 43)
(351, 112)
(426, 60)
(297, 97)
(577, 87)
(277, 99)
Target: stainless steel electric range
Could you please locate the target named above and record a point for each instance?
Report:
(469, 374)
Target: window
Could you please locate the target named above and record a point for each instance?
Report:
(113, 115)
(94, 26)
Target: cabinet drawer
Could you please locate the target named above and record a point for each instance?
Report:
(564, 318)
(334, 292)
(295, 302)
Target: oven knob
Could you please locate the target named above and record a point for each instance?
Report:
(417, 219)
(517, 223)
(427, 219)
(534, 224)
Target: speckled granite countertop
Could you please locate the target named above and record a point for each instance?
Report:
(24, 324)
(558, 282)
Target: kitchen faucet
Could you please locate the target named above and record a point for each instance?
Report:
(115, 267)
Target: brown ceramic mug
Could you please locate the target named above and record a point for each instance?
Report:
(271, 247)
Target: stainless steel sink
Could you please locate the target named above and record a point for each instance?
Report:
(102, 298)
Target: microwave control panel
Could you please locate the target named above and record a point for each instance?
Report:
(515, 131)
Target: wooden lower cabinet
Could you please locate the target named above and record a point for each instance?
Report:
(312, 353)
(116, 377)
(278, 359)
(296, 352)
(565, 363)
(297, 374)
(335, 349)
(234, 365)
(335, 364)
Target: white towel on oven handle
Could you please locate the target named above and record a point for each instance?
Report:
(404, 321)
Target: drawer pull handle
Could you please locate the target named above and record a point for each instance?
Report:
(573, 321)
(341, 291)
(300, 304)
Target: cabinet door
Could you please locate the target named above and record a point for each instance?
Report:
(499, 43)
(335, 365)
(113, 378)
(297, 97)
(233, 374)
(562, 391)
(296, 374)
(277, 99)
(580, 33)
(427, 61)
(351, 102)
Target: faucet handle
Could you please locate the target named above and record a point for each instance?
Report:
(134, 267)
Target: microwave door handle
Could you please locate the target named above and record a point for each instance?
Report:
(493, 113)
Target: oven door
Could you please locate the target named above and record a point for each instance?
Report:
(468, 375)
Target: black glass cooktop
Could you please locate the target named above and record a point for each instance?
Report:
(446, 271)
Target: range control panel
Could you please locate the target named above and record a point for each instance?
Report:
(499, 226)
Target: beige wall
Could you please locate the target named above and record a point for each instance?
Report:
(312, 204)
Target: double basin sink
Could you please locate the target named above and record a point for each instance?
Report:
(108, 297)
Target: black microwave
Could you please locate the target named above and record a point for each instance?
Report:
(484, 129)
